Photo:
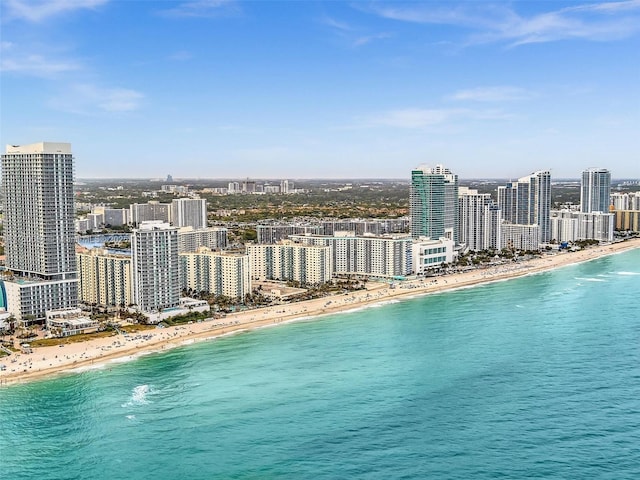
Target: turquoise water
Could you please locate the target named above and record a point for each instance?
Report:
(537, 377)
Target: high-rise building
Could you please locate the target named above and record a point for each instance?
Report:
(189, 239)
(595, 190)
(39, 230)
(105, 278)
(378, 256)
(155, 264)
(528, 202)
(478, 228)
(308, 264)
(433, 203)
(147, 212)
(189, 212)
(219, 273)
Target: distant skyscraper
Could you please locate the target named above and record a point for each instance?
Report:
(39, 230)
(595, 191)
(433, 203)
(528, 202)
(156, 268)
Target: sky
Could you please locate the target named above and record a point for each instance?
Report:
(302, 89)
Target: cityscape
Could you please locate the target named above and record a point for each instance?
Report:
(319, 240)
(155, 261)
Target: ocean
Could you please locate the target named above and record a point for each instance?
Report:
(535, 377)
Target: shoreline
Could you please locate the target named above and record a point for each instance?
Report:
(46, 362)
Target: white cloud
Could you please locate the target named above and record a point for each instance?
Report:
(87, 99)
(35, 65)
(490, 23)
(492, 94)
(419, 118)
(370, 38)
(414, 117)
(38, 10)
(203, 9)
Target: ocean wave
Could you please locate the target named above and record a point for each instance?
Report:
(138, 396)
(590, 279)
(628, 273)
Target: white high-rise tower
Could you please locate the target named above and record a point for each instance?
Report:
(39, 233)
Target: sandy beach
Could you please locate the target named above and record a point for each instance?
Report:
(48, 361)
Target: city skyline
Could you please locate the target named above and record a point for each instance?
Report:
(324, 90)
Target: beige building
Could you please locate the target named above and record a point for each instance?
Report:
(628, 220)
(105, 278)
(307, 264)
(216, 272)
(380, 256)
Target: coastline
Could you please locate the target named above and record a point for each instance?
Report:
(97, 353)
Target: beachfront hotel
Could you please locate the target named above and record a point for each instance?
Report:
(595, 190)
(39, 230)
(433, 203)
(428, 254)
(105, 278)
(385, 256)
(527, 202)
(307, 264)
(155, 264)
(219, 273)
(569, 226)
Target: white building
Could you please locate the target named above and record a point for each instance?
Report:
(147, 212)
(596, 226)
(156, 269)
(70, 321)
(569, 226)
(528, 202)
(39, 230)
(190, 239)
(189, 212)
(564, 226)
(379, 256)
(478, 217)
(216, 272)
(28, 300)
(427, 254)
(626, 201)
(520, 237)
(307, 264)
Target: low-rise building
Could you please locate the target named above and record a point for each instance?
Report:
(428, 254)
(69, 321)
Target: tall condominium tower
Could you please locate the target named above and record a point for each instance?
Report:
(39, 231)
(479, 225)
(155, 265)
(528, 202)
(433, 203)
(189, 212)
(595, 191)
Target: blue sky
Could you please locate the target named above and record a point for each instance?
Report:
(225, 89)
